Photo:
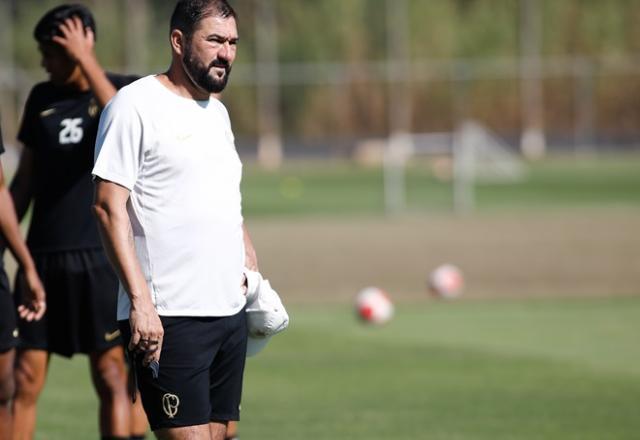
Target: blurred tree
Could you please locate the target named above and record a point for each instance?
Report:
(353, 33)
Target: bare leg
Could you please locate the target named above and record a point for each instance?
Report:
(218, 430)
(139, 423)
(7, 389)
(232, 430)
(30, 375)
(198, 432)
(109, 376)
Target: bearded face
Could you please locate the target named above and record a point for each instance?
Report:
(210, 76)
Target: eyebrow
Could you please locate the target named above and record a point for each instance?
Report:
(223, 38)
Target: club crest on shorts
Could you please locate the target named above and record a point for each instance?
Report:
(170, 404)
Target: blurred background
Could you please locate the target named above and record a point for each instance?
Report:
(316, 78)
(383, 138)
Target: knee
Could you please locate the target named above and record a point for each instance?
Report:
(7, 390)
(111, 380)
(28, 384)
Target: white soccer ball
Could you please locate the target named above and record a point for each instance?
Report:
(446, 281)
(374, 306)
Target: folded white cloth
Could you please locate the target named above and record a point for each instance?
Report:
(253, 283)
(266, 315)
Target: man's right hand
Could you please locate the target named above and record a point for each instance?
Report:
(146, 332)
(76, 40)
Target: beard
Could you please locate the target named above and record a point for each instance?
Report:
(199, 74)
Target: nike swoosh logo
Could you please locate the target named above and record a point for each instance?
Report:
(47, 112)
(111, 336)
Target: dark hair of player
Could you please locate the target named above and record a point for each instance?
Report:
(188, 14)
(49, 25)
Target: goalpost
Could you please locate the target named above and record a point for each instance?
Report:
(477, 155)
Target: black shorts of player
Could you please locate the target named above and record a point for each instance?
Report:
(8, 326)
(200, 375)
(82, 292)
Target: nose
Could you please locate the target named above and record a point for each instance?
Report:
(227, 51)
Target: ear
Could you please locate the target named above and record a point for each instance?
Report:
(177, 40)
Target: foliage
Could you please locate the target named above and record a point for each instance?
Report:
(355, 32)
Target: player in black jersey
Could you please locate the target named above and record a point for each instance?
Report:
(58, 132)
(32, 309)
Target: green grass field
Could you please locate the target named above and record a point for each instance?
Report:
(544, 343)
(347, 189)
(552, 369)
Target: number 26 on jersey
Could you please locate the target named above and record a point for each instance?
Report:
(71, 131)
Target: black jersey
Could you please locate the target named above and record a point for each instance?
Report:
(59, 126)
(1, 244)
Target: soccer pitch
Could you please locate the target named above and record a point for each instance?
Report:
(552, 369)
(343, 188)
(543, 345)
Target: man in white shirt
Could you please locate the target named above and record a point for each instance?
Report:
(169, 209)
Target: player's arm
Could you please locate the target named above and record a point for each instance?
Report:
(34, 304)
(78, 43)
(250, 258)
(22, 183)
(110, 208)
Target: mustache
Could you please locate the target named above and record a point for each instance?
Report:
(220, 63)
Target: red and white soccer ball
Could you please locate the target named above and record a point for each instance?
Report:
(446, 281)
(374, 306)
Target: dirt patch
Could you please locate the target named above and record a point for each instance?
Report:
(579, 252)
(582, 252)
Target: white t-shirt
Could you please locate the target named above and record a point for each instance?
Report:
(178, 159)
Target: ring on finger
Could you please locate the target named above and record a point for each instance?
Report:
(149, 341)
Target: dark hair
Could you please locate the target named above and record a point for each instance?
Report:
(188, 13)
(49, 25)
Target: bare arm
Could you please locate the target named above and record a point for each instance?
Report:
(34, 305)
(251, 259)
(22, 184)
(79, 42)
(110, 208)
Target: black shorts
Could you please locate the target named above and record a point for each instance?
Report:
(201, 368)
(8, 326)
(82, 295)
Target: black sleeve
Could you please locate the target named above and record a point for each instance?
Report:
(119, 81)
(27, 131)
